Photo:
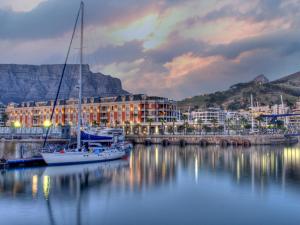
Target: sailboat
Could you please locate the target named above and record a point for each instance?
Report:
(80, 154)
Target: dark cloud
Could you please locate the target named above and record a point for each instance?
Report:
(55, 17)
(273, 53)
(129, 51)
(285, 42)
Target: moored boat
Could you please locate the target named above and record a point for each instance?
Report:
(81, 153)
(75, 157)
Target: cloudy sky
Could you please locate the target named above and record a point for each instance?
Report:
(173, 48)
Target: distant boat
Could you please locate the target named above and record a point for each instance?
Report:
(82, 154)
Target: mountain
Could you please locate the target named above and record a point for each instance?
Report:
(238, 96)
(20, 83)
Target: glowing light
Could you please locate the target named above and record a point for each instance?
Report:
(34, 185)
(47, 123)
(17, 124)
(46, 186)
(156, 156)
(196, 169)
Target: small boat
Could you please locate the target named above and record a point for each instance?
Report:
(107, 137)
(81, 153)
(102, 134)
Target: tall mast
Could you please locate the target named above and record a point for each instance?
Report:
(252, 119)
(80, 78)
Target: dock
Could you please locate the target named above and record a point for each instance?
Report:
(221, 140)
(27, 162)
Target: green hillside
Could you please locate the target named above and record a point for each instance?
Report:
(238, 95)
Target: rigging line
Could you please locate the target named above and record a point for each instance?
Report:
(62, 75)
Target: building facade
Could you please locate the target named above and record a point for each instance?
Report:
(108, 111)
(2, 115)
(294, 121)
(209, 117)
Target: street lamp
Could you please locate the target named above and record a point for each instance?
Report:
(47, 123)
(17, 124)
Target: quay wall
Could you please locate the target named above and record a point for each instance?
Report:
(223, 140)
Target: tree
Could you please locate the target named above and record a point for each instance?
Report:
(104, 121)
(185, 122)
(150, 121)
(214, 122)
(227, 124)
(5, 118)
(259, 120)
(127, 127)
(199, 123)
(117, 123)
(135, 115)
(95, 124)
(244, 123)
(162, 125)
(173, 124)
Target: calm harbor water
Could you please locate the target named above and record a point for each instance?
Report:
(158, 185)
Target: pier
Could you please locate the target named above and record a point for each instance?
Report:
(203, 140)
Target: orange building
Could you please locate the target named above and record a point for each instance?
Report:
(109, 111)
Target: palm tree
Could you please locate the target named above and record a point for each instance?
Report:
(104, 121)
(260, 120)
(95, 124)
(214, 122)
(185, 122)
(150, 121)
(227, 125)
(5, 118)
(244, 123)
(127, 125)
(135, 116)
(163, 125)
(173, 124)
(199, 123)
(117, 123)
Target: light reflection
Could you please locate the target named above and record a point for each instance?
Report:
(196, 170)
(150, 167)
(34, 185)
(46, 186)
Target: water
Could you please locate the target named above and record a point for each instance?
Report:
(157, 185)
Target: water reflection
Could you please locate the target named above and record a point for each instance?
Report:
(73, 189)
(148, 167)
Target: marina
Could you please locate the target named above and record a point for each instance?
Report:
(250, 185)
(149, 112)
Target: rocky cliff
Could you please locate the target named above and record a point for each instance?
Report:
(20, 83)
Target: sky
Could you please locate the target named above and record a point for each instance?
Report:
(171, 48)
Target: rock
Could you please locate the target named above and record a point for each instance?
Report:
(261, 79)
(19, 83)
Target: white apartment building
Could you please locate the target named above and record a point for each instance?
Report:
(209, 117)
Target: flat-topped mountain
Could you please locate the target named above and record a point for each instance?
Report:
(19, 83)
(238, 95)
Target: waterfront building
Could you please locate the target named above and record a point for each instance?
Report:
(2, 115)
(294, 121)
(108, 111)
(260, 110)
(209, 117)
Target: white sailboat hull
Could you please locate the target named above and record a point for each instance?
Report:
(81, 157)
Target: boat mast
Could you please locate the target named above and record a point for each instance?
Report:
(80, 78)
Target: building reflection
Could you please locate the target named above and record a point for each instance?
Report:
(154, 166)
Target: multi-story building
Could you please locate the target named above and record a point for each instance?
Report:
(2, 115)
(294, 121)
(209, 117)
(110, 111)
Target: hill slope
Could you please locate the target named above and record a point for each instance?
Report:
(238, 95)
(20, 83)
